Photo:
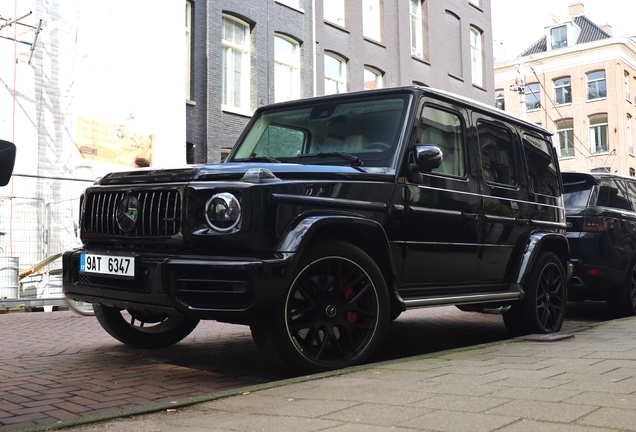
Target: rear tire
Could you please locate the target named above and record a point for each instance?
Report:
(144, 330)
(543, 307)
(623, 303)
(335, 313)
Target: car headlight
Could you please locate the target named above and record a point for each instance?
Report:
(223, 212)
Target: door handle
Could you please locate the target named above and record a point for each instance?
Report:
(521, 221)
(470, 216)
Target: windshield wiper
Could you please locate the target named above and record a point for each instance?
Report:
(355, 160)
(257, 158)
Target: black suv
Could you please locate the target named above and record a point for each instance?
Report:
(601, 231)
(329, 218)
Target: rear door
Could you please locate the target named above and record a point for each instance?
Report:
(505, 206)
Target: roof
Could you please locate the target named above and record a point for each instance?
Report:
(590, 32)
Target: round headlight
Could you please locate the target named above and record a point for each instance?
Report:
(223, 211)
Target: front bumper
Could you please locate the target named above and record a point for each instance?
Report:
(202, 287)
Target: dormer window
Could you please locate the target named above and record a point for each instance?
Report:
(559, 37)
(562, 34)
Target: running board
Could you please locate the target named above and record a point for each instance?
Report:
(462, 299)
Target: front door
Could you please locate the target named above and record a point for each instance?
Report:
(442, 212)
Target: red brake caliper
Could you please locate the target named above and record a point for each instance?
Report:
(352, 317)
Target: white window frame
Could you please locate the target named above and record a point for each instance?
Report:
(292, 67)
(476, 56)
(589, 81)
(627, 93)
(500, 99)
(560, 88)
(229, 101)
(188, 49)
(533, 96)
(417, 43)
(560, 133)
(379, 78)
(295, 4)
(630, 142)
(334, 12)
(341, 80)
(372, 19)
(595, 131)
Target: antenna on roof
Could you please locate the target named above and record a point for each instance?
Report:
(8, 22)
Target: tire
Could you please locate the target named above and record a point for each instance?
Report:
(335, 313)
(623, 303)
(144, 330)
(80, 307)
(543, 307)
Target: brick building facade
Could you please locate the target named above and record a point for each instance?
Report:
(322, 46)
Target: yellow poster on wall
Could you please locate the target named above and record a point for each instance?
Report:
(110, 143)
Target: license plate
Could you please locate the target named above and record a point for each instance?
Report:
(108, 265)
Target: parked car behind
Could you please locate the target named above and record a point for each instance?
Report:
(329, 218)
(601, 217)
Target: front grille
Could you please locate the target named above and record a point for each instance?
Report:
(141, 283)
(159, 213)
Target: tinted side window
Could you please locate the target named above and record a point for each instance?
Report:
(618, 196)
(542, 168)
(497, 157)
(444, 130)
(631, 192)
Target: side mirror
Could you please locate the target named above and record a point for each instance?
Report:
(427, 157)
(7, 160)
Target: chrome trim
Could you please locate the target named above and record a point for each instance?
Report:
(459, 299)
(436, 212)
(437, 243)
(548, 224)
(500, 218)
(304, 199)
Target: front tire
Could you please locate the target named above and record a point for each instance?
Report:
(335, 313)
(143, 330)
(543, 307)
(623, 303)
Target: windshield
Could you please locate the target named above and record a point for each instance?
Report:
(365, 127)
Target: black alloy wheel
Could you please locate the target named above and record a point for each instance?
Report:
(543, 308)
(335, 314)
(143, 330)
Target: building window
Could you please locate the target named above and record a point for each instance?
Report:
(632, 172)
(562, 91)
(372, 78)
(335, 75)
(476, 57)
(565, 137)
(596, 88)
(334, 11)
(416, 29)
(500, 99)
(603, 170)
(627, 95)
(630, 143)
(559, 37)
(372, 19)
(188, 49)
(533, 97)
(235, 64)
(296, 4)
(286, 69)
(599, 139)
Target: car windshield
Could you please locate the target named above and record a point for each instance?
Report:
(357, 131)
(577, 194)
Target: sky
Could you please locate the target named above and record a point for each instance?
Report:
(516, 28)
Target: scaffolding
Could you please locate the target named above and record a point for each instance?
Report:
(8, 22)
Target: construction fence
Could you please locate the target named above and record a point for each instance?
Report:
(39, 220)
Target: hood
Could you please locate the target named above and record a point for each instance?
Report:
(234, 171)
